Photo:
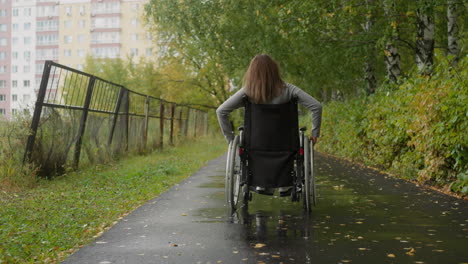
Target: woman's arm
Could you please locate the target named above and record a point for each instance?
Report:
(225, 109)
(312, 104)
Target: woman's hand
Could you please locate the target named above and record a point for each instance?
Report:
(313, 139)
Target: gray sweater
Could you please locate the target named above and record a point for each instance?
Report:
(289, 92)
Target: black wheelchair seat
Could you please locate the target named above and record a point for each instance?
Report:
(271, 143)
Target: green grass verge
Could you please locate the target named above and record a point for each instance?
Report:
(47, 223)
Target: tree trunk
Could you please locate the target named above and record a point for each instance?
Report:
(425, 37)
(452, 30)
(369, 67)
(392, 56)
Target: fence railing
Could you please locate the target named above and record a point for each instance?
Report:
(78, 113)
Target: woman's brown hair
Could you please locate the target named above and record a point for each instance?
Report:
(262, 80)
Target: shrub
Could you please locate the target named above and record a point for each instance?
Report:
(417, 129)
(13, 174)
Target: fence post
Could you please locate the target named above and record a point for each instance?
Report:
(186, 128)
(126, 120)
(37, 112)
(196, 124)
(84, 117)
(161, 125)
(145, 131)
(179, 132)
(206, 124)
(116, 115)
(171, 137)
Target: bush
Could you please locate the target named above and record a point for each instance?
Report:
(417, 130)
(13, 174)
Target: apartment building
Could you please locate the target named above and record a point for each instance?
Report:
(65, 31)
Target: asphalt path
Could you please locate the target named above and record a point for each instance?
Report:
(362, 216)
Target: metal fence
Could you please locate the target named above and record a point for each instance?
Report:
(80, 117)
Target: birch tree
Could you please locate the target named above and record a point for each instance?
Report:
(369, 67)
(452, 30)
(425, 36)
(392, 55)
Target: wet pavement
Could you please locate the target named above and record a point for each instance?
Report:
(362, 216)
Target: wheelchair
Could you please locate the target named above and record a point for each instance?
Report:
(270, 151)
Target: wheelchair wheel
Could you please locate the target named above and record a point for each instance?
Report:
(312, 175)
(233, 175)
(306, 186)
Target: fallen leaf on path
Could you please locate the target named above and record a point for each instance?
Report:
(391, 255)
(411, 252)
(264, 254)
(183, 214)
(259, 245)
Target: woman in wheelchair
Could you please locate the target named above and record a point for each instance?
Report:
(270, 151)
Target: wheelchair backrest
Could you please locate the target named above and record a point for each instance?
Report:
(271, 127)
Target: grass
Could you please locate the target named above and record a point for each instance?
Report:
(49, 222)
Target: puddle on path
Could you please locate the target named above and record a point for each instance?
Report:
(361, 217)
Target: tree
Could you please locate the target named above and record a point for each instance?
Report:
(452, 29)
(425, 36)
(392, 55)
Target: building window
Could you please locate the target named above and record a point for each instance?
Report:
(134, 22)
(39, 68)
(27, 26)
(26, 83)
(67, 39)
(68, 10)
(2, 111)
(81, 38)
(67, 53)
(26, 68)
(3, 12)
(14, 111)
(149, 51)
(27, 55)
(67, 24)
(14, 68)
(27, 40)
(14, 27)
(15, 12)
(82, 23)
(2, 98)
(14, 97)
(3, 41)
(27, 11)
(81, 53)
(134, 52)
(50, 39)
(2, 84)
(82, 10)
(26, 98)
(14, 55)
(14, 83)
(3, 68)
(3, 27)
(47, 25)
(14, 41)
(2, 55)
(134, 37)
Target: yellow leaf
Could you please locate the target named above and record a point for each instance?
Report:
(259, 245)
(391, 255)
(411, 252)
